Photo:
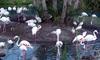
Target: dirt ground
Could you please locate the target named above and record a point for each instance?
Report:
(43, 35)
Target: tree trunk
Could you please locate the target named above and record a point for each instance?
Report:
(37, 3)
(34, 2)
(70, 2)
(54, 4)
(44, 5)
(76, 4)
(63, 15)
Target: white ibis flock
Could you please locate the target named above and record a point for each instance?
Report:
(93, 17)
(86, 37)
(23, 49)
(5, 13)
(24, 45)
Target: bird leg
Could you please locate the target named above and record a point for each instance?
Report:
(58, 53)
(12, 28)
(23, 55)
(92, 21)
(81, 42)
(4, 27)
(35, 38)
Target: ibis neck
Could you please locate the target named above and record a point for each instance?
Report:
(94, 34)
(17, 41)
(57, 37)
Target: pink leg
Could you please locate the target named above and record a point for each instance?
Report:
(23, 55)
(12, 28)
(81, 42)
(4, 27)
(35, 38)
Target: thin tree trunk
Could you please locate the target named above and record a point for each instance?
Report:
(44, 5)
(34, 2)
(54, 4)
(76, 3)
(70, 2)
(37, 3)
(63, 15)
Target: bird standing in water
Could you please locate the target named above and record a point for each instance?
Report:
(58, 43)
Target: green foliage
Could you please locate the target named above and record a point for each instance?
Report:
(6, 3)
(64, 53)
(87, 5)
(72, 11)
(87, 20)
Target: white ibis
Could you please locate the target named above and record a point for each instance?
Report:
(38, 19)
(35, 29)
(2, 11)
(5, 20)
(6, 13)
(31, 23)
(75, 23)
(9, 8)
(84, 14)
(93, 16)
(10, 41)
(58, 43)
(14, 8)
(78, 27)
(10, 44)
(23, 42)
(73, 30)
(2, 49)
(23, 45)
(25, 9)
(80, 38)
(26, 43)
(21, 51)
(2, 44)
(19, 10)
(91, 37)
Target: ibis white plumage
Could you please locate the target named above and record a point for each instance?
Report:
(57, 32)
(5, 20)
(35, 29)
(10, 41)
(91, 37)
(38, 19)
(93, 17)
(9, 8)
(80, 38)
(31, 22)
(14, 8)
(2, 44)
(84, 14)
(58, 43)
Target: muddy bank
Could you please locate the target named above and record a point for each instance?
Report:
(43, 35)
